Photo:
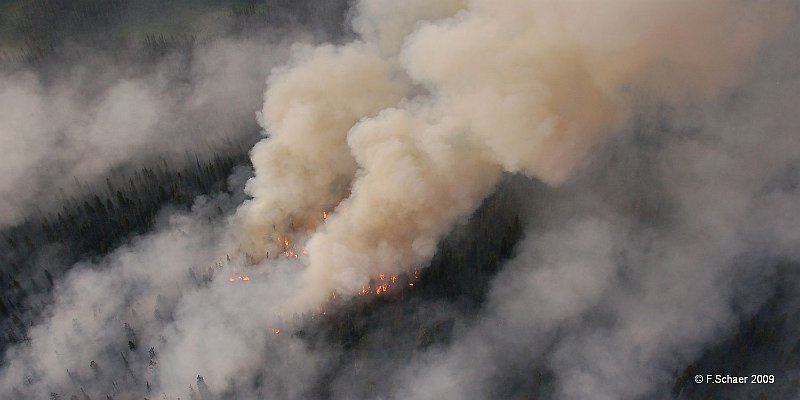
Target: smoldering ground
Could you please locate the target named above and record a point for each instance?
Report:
(670, 216)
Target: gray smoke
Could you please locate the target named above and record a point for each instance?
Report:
(665, 130)
(672, 237)
(64, 134)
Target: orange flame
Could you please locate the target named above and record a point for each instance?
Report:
(383, 284)
(244, 278)
(381, 289)
(288, 251)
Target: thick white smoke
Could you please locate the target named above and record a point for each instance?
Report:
(399, 136)
(309, 110)
(523, 87)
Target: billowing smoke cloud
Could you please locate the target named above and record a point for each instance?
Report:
(310, 109)
(673, 241)
(524, 87)
(673, 163)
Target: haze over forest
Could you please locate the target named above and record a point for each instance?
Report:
(419, 199)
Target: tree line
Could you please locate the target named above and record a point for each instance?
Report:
(92, 225)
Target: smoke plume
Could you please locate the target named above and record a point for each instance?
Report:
(411, 126)
(653, 144)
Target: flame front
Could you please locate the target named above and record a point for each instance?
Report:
(288, 249)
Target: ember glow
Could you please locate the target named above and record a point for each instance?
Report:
(243, 278)
(288, 249)
(381, 286)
